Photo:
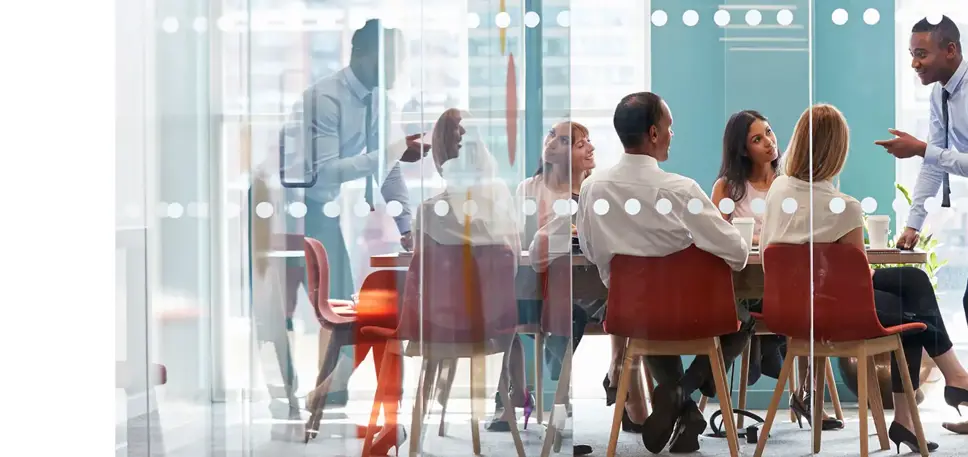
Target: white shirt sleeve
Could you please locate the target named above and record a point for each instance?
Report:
(711, 233)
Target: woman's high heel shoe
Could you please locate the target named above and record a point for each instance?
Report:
(393, 439)
(899, 434)
(955, 397)
(801, 409)
(610, 392)
(501, 425)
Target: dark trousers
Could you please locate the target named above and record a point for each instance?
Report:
(903, 295)
(668, 368)
(556, 345)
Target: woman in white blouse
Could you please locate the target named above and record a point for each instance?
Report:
(901, 295)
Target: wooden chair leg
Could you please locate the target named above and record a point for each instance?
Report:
(832, 387)
(477, 399)
(513, 424)
(539, 376)
(744, 377)
(416, 423)
(552, 432)
(862, 399)
(902, 365)
(702, 403)
(785, 373)
(722, 391)
(381, 393)
(623, 389)
(793, 389)
(818, 398)
(445, 388)
(876, 404)
(316, 399)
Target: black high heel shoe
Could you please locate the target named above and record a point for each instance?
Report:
(801, 409)
(610, 392)
(955, 397)
(394, 439)
(899, 434)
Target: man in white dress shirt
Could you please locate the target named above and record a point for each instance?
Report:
(644, 125)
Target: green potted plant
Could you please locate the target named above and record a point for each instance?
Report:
(926, 243)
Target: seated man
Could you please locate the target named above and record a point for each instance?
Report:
(657, 229)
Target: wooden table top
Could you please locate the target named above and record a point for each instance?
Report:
(875, 256)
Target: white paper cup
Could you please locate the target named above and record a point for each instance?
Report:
(746, 227)
(877, 229)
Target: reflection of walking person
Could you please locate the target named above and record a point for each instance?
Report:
(936, 56)
(340, 114)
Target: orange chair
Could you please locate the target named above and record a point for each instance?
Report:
(459, 302)
(674, 305)
(836, 287)
(377, 305)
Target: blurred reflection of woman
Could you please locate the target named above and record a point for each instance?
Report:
(567, 159)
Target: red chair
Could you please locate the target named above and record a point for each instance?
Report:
(343, 319)
(459, 302)
(674, 305)
(839, 292)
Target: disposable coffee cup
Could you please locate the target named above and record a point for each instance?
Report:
(745, 226)
(877, 229)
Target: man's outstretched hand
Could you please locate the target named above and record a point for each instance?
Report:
(416, 149)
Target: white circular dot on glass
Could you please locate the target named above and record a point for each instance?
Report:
(531, 19)
(727, 206)
(175, 210)
(361, 208)
(663, 206)
(441, 208)
(758, 205)
(600, 207)
(837, 205)
(232, 210)
(839, 16)
(632, 206)
(297, 209)
(690, 18)
(169, 25)
(934, 17)
(264, 210)
(502, 20)
(561, 207)
(200, 24)
(900, 205)
(470, 208)
(331, 209)
(868, 204)
(694, 206)
(564, 18)
(721, 18)
(573, 207)
(394, 208)
(473, 20)
(529, 207)
(872, 16)
(754, 17)
(789, 205)
(197, 209)
(932, 204)
(659, 18)
(784, 17)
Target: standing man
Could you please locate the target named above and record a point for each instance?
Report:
(937, 58)
(341, 130)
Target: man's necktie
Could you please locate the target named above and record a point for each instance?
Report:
(368, 142)
(945, 180)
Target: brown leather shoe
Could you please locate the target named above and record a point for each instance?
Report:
(960, 428)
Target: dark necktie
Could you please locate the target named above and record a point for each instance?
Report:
(368, 142)
(945, 180)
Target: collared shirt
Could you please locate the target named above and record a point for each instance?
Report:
(937, 159)
(782, 226)
(334, 111)
(636, 208)
(548, 230)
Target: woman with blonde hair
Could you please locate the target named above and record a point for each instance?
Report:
(816, 156)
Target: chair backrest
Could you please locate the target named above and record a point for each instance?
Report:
(317, 269)
(455, 293)
(843, 295)
(683, 296)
